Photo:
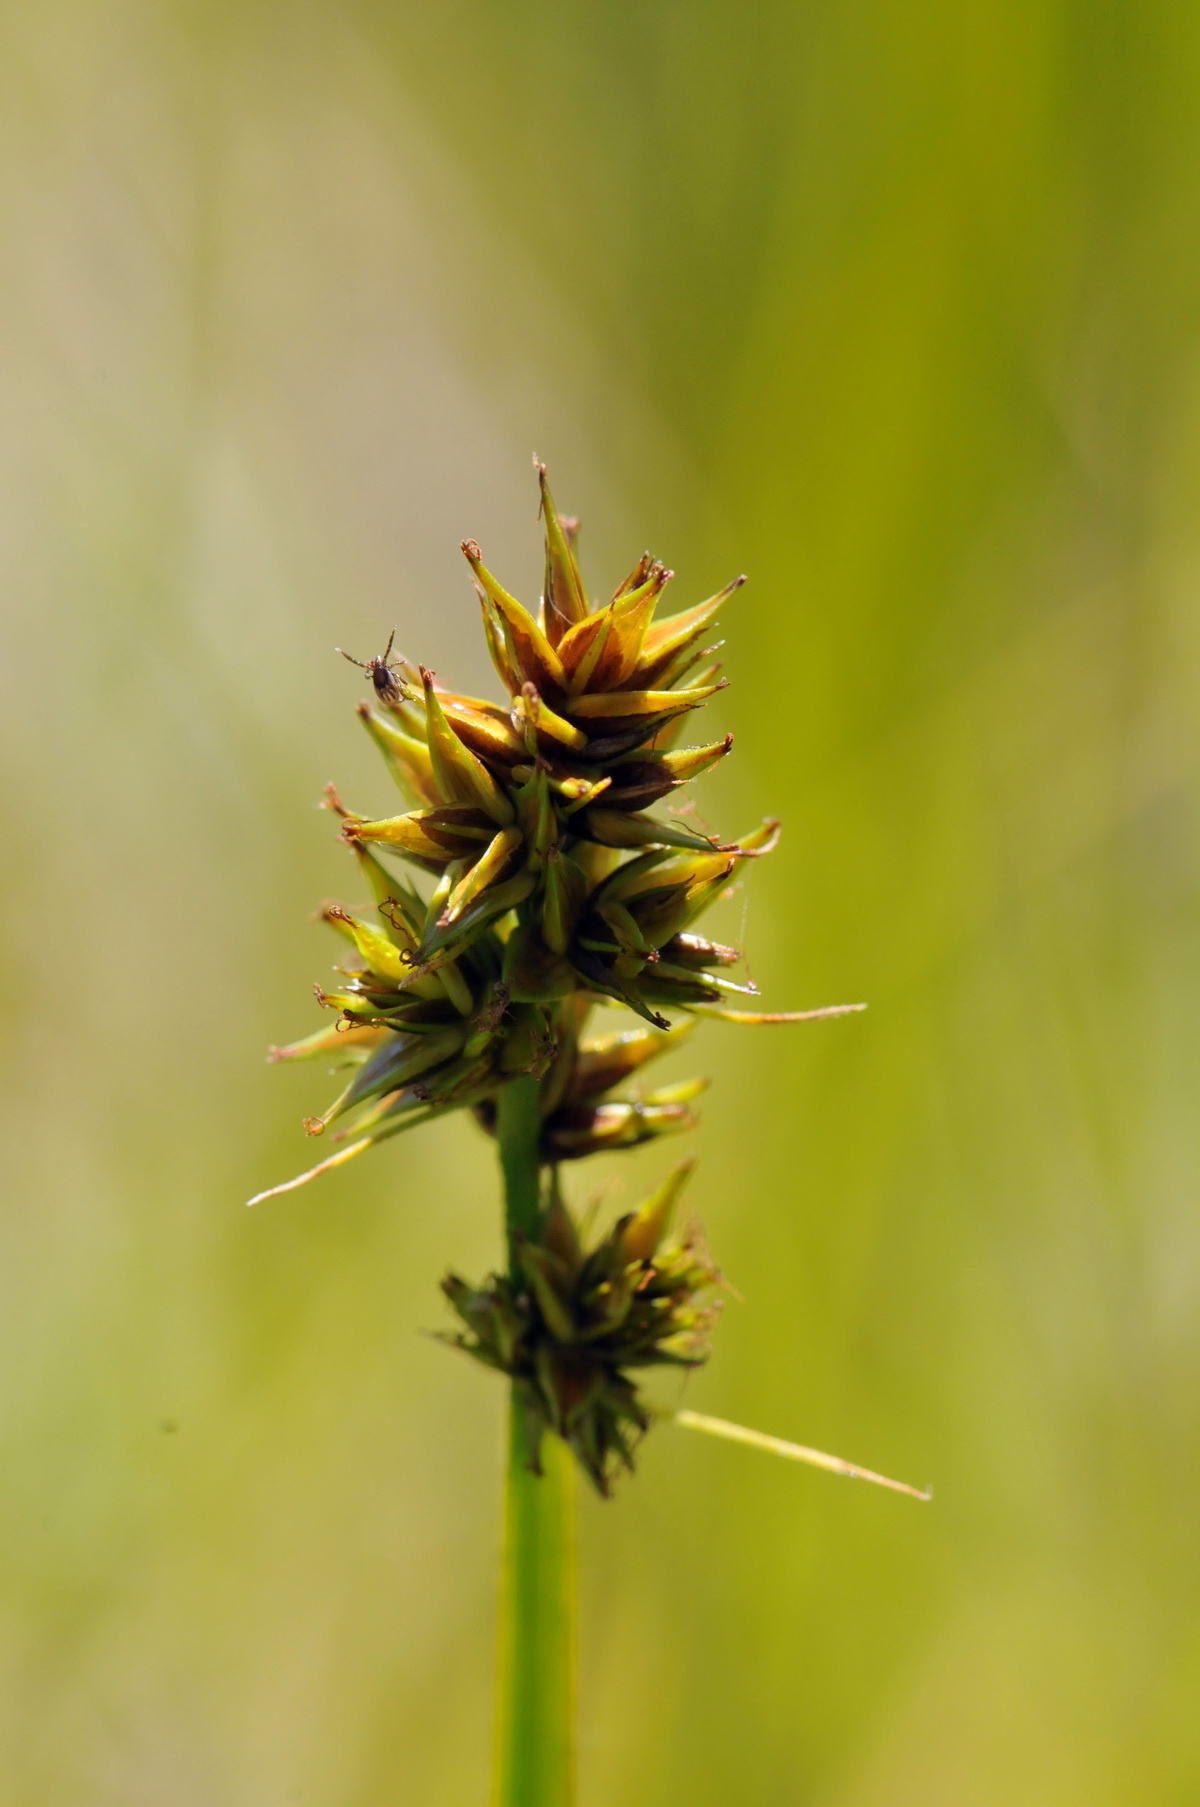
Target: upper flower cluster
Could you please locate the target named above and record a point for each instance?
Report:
(550, 884)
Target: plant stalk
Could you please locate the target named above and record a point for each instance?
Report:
(535, 1708)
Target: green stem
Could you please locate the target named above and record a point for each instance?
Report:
(535, 1713)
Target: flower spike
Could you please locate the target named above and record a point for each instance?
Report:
(534, 884)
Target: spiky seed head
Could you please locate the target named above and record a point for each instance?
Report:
(546, 880)
(544, 886)
(573, 1324)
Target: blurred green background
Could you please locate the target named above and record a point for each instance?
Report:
(896, 307)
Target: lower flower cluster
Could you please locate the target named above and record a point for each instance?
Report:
(569, 1323)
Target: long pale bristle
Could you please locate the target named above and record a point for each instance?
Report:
(334, 1160)
(792, 1452)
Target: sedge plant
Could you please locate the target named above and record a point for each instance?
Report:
(541, 882)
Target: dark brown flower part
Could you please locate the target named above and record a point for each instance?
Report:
(573, 1322)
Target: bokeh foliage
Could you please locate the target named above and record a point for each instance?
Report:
(896, 308)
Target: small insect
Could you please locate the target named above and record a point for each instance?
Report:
(379, 671)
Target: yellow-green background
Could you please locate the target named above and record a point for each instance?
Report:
(896, 307)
